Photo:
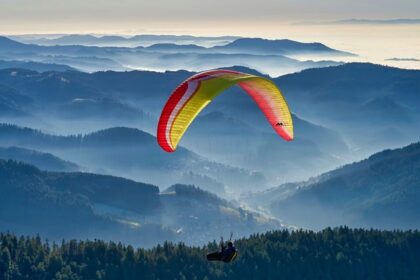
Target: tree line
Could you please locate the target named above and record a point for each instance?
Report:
(339, 253)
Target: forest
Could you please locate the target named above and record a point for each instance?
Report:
(333, 253)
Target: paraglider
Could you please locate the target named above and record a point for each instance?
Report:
(195, 93)
(226, 254)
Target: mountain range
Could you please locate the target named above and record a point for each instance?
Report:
(381, 191)
(122, 151)
(373, 107)
(135, 99)
(83, 205)
(341, 113)
(121, 41)
(268, 56)
(35, 66)
(83, 131)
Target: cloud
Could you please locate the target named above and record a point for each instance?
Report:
(403, 59)
(96, 15)
(363, 21)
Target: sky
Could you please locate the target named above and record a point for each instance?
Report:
(273, 19)
(186, 16)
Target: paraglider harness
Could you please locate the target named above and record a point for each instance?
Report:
(226, 254)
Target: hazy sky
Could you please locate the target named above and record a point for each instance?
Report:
(182, 16)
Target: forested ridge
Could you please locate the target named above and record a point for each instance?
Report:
(381, 191)
(339, 253)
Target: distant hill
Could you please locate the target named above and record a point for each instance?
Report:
(170, 55)
(381, 191)
(36, 202)
(283, 47)
(86, 61)
(78, 205)
(359, 99)
(131, 153)
(72, 98)
(106, 108)
(244, 142)
(12, 102)
(35, 66)
(43, 161)
(169, 42)
(7, 44)
(124, 41)
(193, 209)
(255, 46)
(204, 181)
(190, 191)
(175, 47)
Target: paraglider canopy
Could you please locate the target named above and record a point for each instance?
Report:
(195, 93)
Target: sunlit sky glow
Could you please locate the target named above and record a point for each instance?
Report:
(264, 18)
(185, 16)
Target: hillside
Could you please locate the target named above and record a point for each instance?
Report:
(43, 161)
(244, 141)
(36, 202)
(76, 205)
(381, 191)
(123, 152)
(35, 66)
(200, 216)
(340, 253)
(12, 102)
(379, 103)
